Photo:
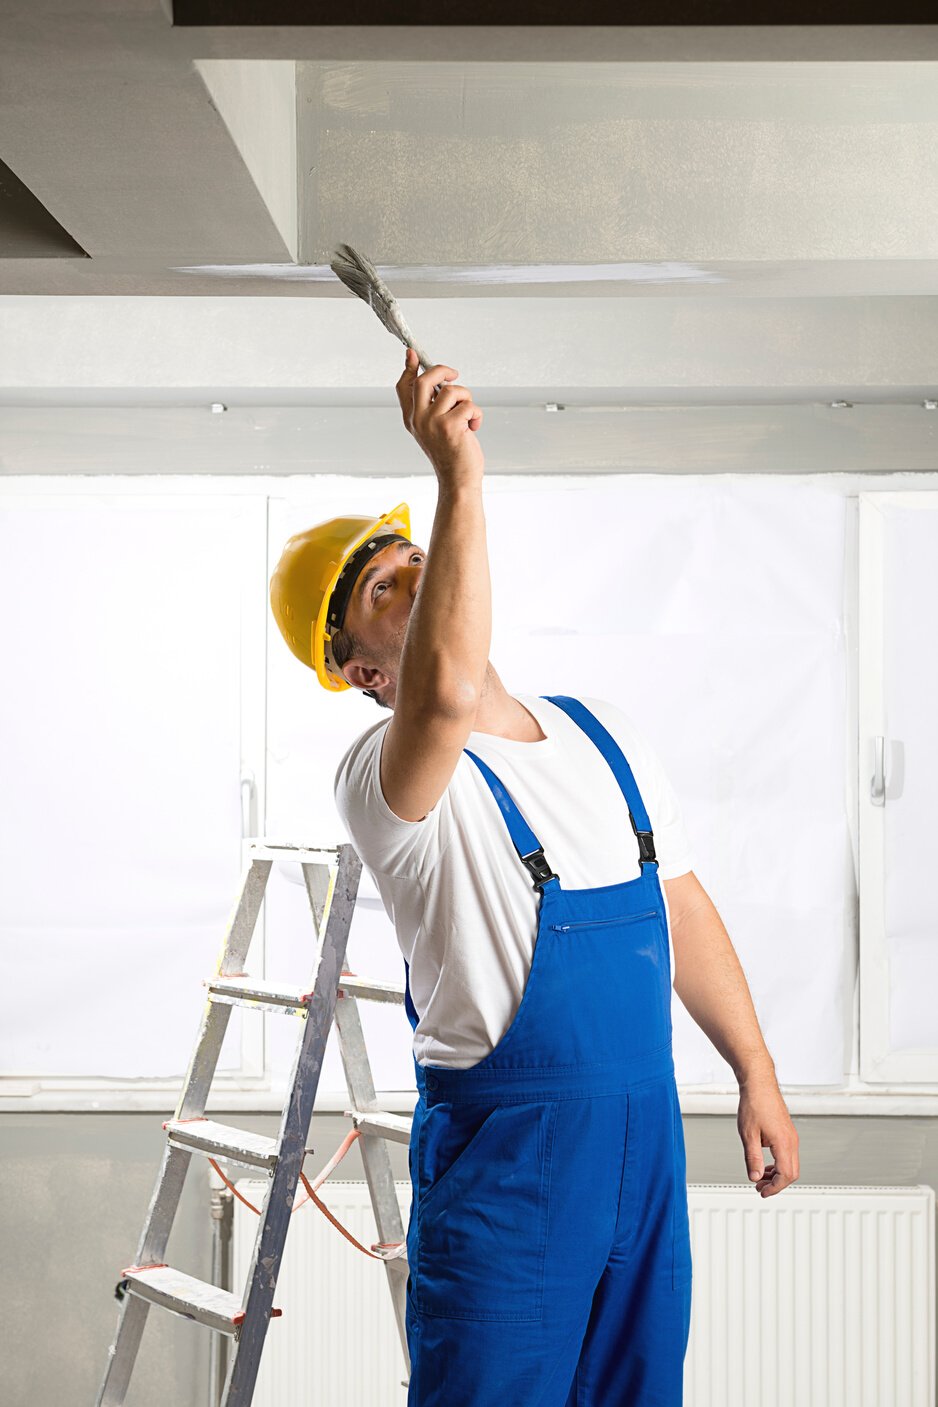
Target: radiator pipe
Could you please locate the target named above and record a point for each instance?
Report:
(222, 1213)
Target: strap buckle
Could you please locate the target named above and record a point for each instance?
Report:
(646, 843)
(538, 866)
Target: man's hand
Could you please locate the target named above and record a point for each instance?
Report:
(763, 1121)
(444, 422)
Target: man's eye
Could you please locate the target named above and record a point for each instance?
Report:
(384, 581)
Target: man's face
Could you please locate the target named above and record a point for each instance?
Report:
(378, 612)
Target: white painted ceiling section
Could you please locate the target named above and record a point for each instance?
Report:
(570, 163)
(544, 166)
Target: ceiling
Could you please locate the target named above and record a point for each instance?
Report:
(599, 215)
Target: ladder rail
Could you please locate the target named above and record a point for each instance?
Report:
(204, 1062)
(375, 1154)
(164, 1201)
(294, 1126)
(318, 879)
(122, 1355)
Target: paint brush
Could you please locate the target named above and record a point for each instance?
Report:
(360, 275)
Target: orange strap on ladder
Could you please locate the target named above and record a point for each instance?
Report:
(392, 1250)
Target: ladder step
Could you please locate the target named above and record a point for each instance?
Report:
(243, 990)
(371, 991)
(395, 1127)
(183, 1294)
(250, 1150)
(263, 849)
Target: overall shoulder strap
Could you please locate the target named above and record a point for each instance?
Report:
(529, 848)
(614, 755)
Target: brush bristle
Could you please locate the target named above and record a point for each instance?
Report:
(362, 278)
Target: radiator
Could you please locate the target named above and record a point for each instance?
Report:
(818, 1297)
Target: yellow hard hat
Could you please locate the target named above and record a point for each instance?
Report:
(303, 596)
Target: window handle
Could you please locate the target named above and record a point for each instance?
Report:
(878, 779)
(248, 793)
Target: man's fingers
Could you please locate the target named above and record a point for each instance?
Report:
(754, 1159)
(425, 385)
(464, 406)
(405, 384)
(786, 1159)
(783, 1171)
(449, 398)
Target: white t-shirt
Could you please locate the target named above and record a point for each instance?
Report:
(463, 905)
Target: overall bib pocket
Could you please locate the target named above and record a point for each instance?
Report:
(482, 1211)
(681, 1264)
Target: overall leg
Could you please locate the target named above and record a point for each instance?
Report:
(468, 1363)
(635, 1342)
(526, 1354)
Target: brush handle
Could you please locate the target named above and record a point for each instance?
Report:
(425, 362)
(423, 359)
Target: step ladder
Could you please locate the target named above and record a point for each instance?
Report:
(331, 877)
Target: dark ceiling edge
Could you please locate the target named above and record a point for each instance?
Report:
(538, 14)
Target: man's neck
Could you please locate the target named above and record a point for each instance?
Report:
(502, 714)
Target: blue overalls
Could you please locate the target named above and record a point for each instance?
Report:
(548, 1242)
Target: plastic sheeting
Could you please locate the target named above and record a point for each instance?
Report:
(711, 610)
(120, 817)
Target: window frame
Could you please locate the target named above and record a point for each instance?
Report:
(878, 1063)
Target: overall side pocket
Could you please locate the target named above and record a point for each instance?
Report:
(482, 1232)
(681, 1263)
(448, 1134)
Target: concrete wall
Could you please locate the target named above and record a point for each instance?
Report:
(74, 1190)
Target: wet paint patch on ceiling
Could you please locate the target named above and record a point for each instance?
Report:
(666, 271)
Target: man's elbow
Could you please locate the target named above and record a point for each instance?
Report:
(685, 895)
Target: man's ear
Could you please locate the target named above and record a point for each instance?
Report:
(364, 676)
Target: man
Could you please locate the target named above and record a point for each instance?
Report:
(520, 845)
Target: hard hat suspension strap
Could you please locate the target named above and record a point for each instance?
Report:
(342, 593)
